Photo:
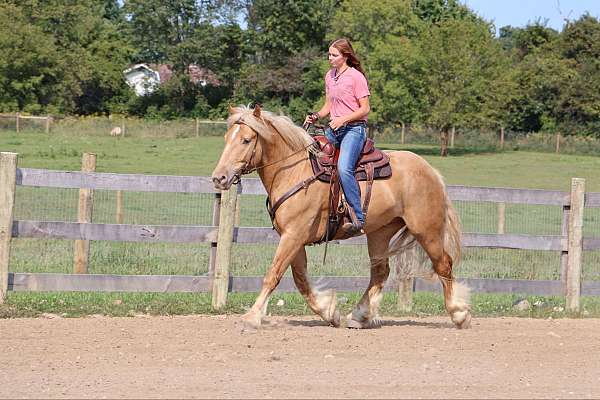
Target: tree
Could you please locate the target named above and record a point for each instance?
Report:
(435, 11)
(30, 70)
(523, 41)
(580, 96)
(282, 30)
(463, 64)
(88, 56)
(397, 81)
(366, 23)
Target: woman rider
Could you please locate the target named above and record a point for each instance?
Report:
(347, 103)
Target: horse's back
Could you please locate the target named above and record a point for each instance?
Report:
(414, 182)
(406, 164)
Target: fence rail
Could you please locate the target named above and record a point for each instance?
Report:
(223, 233)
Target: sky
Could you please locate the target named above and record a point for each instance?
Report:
(520, 12)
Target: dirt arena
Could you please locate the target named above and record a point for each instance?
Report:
(212, 356)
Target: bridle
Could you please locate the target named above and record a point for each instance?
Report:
(237, 175)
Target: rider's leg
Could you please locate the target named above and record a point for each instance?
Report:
(352, 142)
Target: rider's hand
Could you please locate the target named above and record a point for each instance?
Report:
(337, 122)
(311, 118)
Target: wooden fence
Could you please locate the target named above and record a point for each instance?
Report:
(18, 118)
(222, 234)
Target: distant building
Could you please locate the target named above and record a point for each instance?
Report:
(143, 79)
(146, 78)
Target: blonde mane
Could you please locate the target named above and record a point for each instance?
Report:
(268, 123)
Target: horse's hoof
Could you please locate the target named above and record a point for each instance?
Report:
(251, 322)
(354, 324)
(335, 319)
(462, 319)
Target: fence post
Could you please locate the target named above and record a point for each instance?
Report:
(564, 255)
(452, 134)
(501, 218)
(81, 251)
(557, 143)
(502, 137)
(119, 213)
(197, 127)
(8, 179)
(402, 133)
(575, 244)
(17, 117)
(123, 128)
(225, 240)
(405, 294)
(216, 215)
(48, 120)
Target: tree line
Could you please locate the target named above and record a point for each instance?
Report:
(431, 62)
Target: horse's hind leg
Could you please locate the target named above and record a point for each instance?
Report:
(455, 294)
(366, 313)
(323, 304)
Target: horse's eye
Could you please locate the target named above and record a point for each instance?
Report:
(246, 141)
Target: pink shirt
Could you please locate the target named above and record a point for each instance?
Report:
(343, 94)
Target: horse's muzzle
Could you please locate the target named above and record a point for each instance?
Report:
(222, 182)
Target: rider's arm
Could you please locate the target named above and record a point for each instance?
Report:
(324, 111)
(357, 115)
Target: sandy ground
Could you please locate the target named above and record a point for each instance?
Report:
(212, 356)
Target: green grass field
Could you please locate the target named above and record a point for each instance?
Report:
(174, 154)
(198, 156)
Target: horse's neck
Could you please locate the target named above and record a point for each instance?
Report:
(279, 177)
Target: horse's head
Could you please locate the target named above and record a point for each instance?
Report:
(241, 153)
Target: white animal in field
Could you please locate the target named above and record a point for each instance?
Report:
(116, 131)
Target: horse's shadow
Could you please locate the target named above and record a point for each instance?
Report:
(384, 323)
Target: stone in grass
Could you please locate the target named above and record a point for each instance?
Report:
(280, 303)
(521, 305)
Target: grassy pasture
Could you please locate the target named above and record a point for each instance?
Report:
(172, 155)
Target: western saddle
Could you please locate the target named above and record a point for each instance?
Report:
(372, 164)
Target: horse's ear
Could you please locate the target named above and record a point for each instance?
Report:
(256, 111)
(231, 110)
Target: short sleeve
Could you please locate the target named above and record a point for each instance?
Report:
(361, 87)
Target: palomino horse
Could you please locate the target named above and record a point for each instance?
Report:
(412, 204)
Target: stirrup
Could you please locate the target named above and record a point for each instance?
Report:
(353, 229)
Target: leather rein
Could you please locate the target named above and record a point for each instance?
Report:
(271, 209)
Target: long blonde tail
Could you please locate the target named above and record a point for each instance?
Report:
(414, 261)
(452, 233)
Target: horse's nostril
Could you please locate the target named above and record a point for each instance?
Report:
(218, 180)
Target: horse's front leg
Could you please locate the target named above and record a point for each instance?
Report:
(322, 303)
(286, 251)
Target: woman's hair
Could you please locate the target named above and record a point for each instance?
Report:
(345, 48)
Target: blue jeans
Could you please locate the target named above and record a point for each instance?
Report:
(350, 140)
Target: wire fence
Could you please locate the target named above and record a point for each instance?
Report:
(50, 255)
(463, 139)
(486, 140)
(113, 126)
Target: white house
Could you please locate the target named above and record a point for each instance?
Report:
(143, 79)
(146, 78)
